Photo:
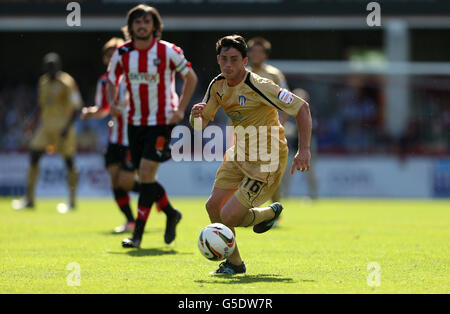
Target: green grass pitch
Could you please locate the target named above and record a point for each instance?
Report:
(322, 247)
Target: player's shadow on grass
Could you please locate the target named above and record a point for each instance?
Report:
(150, 252)
(248, 279)
(129, 233)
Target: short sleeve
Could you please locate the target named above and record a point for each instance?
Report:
(115, 68)
(176, 56)
(279, 97)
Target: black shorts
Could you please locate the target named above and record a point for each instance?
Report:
(118, 154)
(150, 142)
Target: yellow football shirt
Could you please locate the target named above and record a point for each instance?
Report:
(58, 99)
(252, 106)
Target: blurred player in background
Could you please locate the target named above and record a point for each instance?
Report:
(258, 53)
(59, 103)
(148, 66)
(117, 156)
(251, 102)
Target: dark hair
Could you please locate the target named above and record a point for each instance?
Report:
(232, 41)
(113, 43)
(139, 11)
(259, 41)
(53, 60)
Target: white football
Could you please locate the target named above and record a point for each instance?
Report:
(216, 242)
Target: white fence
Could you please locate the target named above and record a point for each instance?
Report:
(337, 177)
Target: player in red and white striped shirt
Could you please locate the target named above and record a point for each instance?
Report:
(118, 125)
(148, 65)
(117, 156)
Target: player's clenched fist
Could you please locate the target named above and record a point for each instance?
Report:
(197, 110)
(301, 161)
(196, 113)
(85, 113)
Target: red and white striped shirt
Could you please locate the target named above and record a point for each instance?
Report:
(150, 78)
(118, 133)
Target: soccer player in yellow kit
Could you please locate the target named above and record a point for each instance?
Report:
(251, 102)
(59, 103)
(258, 53)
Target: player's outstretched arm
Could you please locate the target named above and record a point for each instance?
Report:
(93, 112)
(197, 113)
(190, 82)
(304, 124)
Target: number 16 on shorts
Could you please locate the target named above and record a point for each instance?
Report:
(252, 187)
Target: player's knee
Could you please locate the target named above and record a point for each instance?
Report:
(213, 209)
(125, 180)
(115, 183)
(147, 173)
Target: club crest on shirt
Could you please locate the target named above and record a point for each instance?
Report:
(157, 62)
(285, 96)
(242, 100)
